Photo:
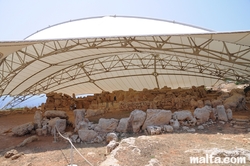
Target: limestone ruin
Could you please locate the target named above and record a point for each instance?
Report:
(152, 112)
(164, 98)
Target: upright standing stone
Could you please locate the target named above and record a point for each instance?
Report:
(202, 114)
(79, 115)
(61, 125)
(222, 115)
(123, 125)
(175, 123)
(136, 120)
(38, 119)
(229, 114)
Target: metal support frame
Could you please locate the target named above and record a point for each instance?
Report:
(194, 56)
(15, 101)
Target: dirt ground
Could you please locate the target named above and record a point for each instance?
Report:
(169, 149)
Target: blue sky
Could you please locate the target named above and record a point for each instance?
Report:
(20, 18)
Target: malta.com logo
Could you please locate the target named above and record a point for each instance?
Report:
(210, 159)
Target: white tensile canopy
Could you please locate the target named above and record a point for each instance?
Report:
(117, 53)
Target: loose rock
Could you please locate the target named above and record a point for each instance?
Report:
(153, 130)
(23, 129)
(111, 146)
(192, 130)
(168, 128)
(28, 140)
(110, 137)
(98, 139)
(222, 122)
(16, 156)
(200, 127)
(10, 153)
(74, 137)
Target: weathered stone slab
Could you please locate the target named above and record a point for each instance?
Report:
(183, 115)
(157, 117)
(81, 125)
(23, 129)
(87, 135)
(202, 114)
(56, 122)
(54, 113)
(106, 125)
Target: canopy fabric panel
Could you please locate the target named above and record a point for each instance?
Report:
(109, 26)
(93, 65)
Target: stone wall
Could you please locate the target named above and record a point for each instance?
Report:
(59, 101)
(164, 98)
